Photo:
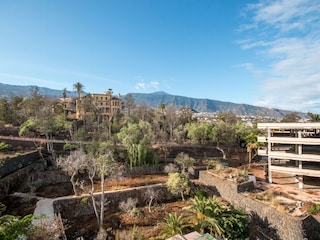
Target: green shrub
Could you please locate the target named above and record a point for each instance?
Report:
(314, 209)
(135, 212)
(4, 146)
(244, 172)
(84, 201)
(14, 227)
(200, 193)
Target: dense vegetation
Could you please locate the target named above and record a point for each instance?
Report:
(125, 140)
(136, 129)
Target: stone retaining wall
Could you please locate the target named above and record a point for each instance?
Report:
(277, 225)
(18, 180)
(77, 206)
(10, 165)
(27, 172)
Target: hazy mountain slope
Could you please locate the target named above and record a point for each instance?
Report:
(207, 105)
(157, 98)
(9, 91)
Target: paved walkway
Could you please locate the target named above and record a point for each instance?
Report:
(44, 210)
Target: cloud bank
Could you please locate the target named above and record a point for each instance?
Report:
(286, 35)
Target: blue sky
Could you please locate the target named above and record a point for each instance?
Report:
(264, 53)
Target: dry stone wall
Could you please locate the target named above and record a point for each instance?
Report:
(78, 206)
(11, 165)
(276, 225)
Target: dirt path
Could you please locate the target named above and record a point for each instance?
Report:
(44, 208)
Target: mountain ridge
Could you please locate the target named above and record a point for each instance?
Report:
(157, 98)
(209, 105)
(8, 90)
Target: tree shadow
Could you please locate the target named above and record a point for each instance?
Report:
(261, 228)
(311, 227)
(209, 190)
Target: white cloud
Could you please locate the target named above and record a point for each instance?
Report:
(287, 34)
(141, 85)
(285, 15)
(154, 84)
(250, 67)
(151, 85)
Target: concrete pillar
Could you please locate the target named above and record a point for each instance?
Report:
(269, 158)
(300, 162)
(300, 182)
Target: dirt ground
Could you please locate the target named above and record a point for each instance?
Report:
(287, 183)
(144, 222)
(284, 193)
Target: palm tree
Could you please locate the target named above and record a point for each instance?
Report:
(219, 220)
(78, 87)
(252, 145)
(173, 225)
(208, 214)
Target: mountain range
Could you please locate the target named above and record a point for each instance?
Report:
(208, 105)
(157, 98)
(9, 91)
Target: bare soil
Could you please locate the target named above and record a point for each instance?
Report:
(146, 223)
(133, 181)
(65, 189)
(284, 192)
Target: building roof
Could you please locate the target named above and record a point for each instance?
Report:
(192, 236)
(313, 125)
(206, 236)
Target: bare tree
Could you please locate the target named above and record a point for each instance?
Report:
(172, 120)
(75, 163)
(129, 103)
(105, 167)
(128, 205)
(184, 161)
(151, 195)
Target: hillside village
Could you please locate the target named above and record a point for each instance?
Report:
(99, 167)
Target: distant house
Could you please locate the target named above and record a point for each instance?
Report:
(103, 106)
(193, 236)
(69, 107)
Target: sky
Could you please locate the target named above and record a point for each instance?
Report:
(257, 52)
